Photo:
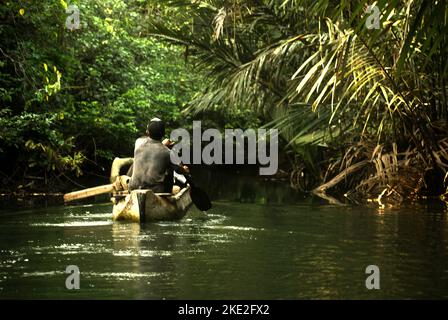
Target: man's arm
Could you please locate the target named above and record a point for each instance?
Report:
(178, 167)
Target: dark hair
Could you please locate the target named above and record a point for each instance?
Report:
(156, 129)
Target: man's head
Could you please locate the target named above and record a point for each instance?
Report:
(155, 129)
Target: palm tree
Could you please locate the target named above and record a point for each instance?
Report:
(374, 99)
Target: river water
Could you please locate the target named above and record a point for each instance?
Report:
(260, 241)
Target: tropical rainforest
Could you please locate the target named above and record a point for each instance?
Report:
(357, 89)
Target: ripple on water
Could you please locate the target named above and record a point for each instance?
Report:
(72, 248)
(237, 228)
(41, 274)
(89, 215)
(142, 253)
(105, 275)
(209, 219)
(122, 275)
(74, 224)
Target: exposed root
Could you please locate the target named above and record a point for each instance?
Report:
(384, 175)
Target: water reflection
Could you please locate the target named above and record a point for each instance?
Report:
(245, 188)
(248, 247)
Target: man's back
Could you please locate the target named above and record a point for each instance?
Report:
(151, 163)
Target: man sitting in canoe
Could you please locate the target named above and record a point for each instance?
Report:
(152, 168)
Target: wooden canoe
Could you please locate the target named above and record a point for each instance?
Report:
(145, 205)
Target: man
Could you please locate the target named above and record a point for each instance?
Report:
(152, 168)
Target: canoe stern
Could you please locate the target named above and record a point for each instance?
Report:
(145, 205)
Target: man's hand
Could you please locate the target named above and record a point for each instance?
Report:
(168, 143)
(186, 169)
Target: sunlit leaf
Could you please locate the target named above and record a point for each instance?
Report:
(64, 4)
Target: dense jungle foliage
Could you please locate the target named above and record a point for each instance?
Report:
(357, 89)
(73, 99)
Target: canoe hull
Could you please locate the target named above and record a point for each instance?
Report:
(145, 205)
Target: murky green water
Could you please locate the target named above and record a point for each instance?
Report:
(261, 250)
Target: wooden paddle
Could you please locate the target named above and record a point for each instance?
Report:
(90, 192)
(121, 183)
(198, 196)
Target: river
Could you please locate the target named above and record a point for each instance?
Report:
(260, 241)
